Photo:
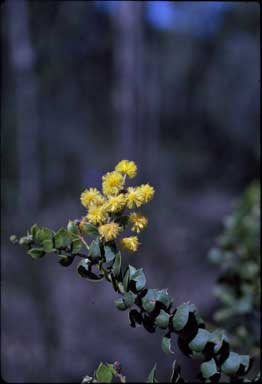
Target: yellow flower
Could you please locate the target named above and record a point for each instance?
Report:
(139, 221)
(147, 192)
(109, 231)
(112, 183)
(130, 243)
(116, 203)
(96, 215)
(134, 197)
(91, 196)
(126, 167)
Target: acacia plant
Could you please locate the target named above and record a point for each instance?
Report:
(110, 214)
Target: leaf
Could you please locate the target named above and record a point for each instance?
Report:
(231, 364)
(120, 304)
(34, 230)
(62, 238)
(162, 319)
(84, 270)
(13, 239)
(217, 337)
(65, 260)
(126, 280)
(208, 368)
(44, 234)
(48, 246)
(152, 376)
(89, 229)
(245, 361)
(135, 318)
(94, 249)
(36, 253)
(149, 300)
(25, 240)
(116, 268)
(163, 297)
(139, 278)
(166, 345)
(180, 317)
(200, 340)
(73, 227)
(104, 373)
(129, 299)
(109, 253)
(76, 246)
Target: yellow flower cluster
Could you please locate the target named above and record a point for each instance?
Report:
(105, 210)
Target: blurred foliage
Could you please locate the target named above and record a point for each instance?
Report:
(238, 256)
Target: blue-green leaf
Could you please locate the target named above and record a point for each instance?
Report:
(180, 317)
(231, 364)
(208, 368)
(166, 345)
(94, 249)
(162, 319)
(200, 340)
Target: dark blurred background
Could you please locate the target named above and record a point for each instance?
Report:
(174, 86)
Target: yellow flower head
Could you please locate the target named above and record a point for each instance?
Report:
(130, 243)
(139, 221)
(116, 203)
(109, 231)
(112, 183)
(96, 215)
(91, 196)
(147, 192)
(134, 197)
(126, 167)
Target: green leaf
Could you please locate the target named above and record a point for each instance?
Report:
(89, 229)
(120, 304)
(139, 278)
(129, 299)
(84, 270)
(109, 253)
(166, 345)
(76, 246)
(149, 300)
(48, 245)
(73, 227)
(116, 268)
(217, 337)
(65, 260)
(34, 230)
(62, 238)
(162, 319)
(104, 373)
(13, 239)
(163, 297)
(180, 317)
(231, 364)
(245, 361)
(25, 240)
(152, 376)
(200, 340)
(208, 368)
(36, 253)
(126, 280)
(94, 249)
(44, 234)
(135, 318)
